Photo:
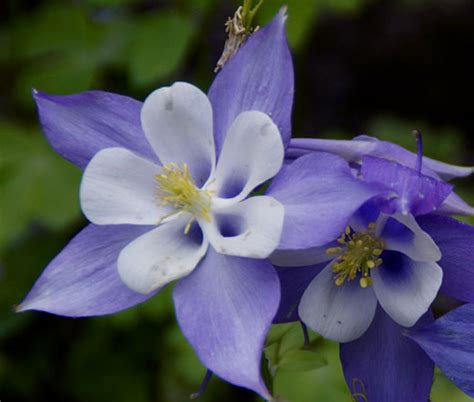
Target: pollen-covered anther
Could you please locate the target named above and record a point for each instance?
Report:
(177, 188)
(358, 254)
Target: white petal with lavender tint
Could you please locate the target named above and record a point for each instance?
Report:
(177, 122)
(341, 313)
(406, 288)
(251, 228)
(162, 255)
(119, 187)
(402, 233)
(252, 154)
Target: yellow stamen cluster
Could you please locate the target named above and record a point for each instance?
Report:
(177, 188)
(359, 253)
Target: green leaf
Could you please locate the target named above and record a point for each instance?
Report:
(302, 360)
(51, 29)
(158, 46)
(36, 184)
(285, 349)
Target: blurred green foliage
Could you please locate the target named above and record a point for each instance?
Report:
(131, 47)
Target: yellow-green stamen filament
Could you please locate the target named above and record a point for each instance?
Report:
(177, 188)
(358, 254)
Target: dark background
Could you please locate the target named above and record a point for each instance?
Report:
(375, 67)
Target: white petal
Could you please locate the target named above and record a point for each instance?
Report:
(161, 256)
(302, 258)
(177, 122)
(341, 313)
(251, 228)
(402, 233)
(252, 154)
(406, 288)
(120, 187)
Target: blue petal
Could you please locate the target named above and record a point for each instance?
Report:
(456, 242)
(416, 193)
(354, 150)
(320, 194)
(449, 341)
(294, 281)
(386, 366)
(78, 126)
(83, 279)
(225, 308)
(259, 77)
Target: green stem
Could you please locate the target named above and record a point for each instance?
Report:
(248, 13)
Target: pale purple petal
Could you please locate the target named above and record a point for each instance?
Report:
(455, 205)
(83, 279)
(449, 341)
(340, 313)
(406, 288)
(456, 242)
(320, 194)
(385, 366)
(225, 308)
(415, 193)
(78, 126)
(259, 77)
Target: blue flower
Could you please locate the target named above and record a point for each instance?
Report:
(372, 286)
(165, 186)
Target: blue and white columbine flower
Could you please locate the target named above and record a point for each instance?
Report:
(399, 250)
(165, 186)
(193, 200)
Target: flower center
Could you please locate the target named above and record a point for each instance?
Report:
(176, 187)
(358, 255)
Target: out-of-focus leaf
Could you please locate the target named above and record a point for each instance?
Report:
(439, 143)
(36, 185)
(106, 366)
(108, 3)
(57, 75)
(52, 28)
(325, 384)
(344, 6)
(285, 349)
(302, 360)
(444, 390)
(277, 332)
(301, 17)
(158, 47)
(5, 45)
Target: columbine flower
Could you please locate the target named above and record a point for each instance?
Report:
(193, 201)
(384, 364)
(383, 256)
(166, 186)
